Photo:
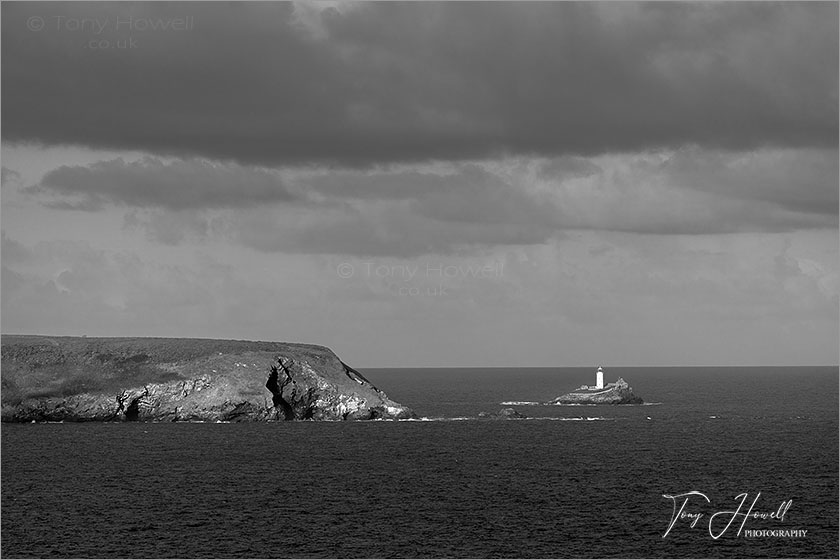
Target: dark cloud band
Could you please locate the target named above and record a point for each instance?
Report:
(152, 183)
(381, 82)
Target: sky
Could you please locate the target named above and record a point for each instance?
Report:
(426, 184)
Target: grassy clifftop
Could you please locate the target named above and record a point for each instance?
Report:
(60, 366)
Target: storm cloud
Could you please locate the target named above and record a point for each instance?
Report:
(358, 85)
(419, 209)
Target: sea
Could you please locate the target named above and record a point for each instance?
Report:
(720, 462)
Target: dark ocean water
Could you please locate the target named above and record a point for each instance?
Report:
(582, 481)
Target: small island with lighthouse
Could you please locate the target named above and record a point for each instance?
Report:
(611, 393)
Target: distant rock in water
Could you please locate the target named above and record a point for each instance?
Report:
(614, 393)
(503, 414)
(165, 379)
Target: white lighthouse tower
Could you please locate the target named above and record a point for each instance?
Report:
(599, 378)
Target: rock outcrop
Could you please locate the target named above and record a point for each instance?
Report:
(614, 393)
(503, 414)
(159, 379)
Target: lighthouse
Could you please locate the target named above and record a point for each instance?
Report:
(599, 378)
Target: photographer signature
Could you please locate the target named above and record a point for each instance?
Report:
(724, 519)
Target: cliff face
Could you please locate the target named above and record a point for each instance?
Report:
(619, 393)
(149, 379)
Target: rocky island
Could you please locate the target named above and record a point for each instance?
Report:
(47, 378)
(612, 393)
(503, 414)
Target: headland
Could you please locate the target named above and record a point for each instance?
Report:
(53, 379)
